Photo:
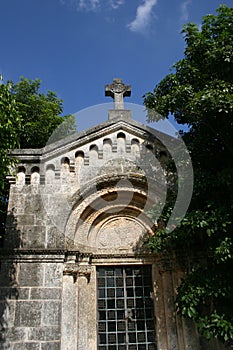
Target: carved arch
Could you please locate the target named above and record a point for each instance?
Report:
(104, 206)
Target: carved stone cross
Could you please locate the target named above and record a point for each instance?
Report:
(118, 90)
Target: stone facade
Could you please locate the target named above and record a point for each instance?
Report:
(74, 206)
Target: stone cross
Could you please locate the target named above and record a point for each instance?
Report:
(118, 90)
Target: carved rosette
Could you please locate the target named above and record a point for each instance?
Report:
(118, 88)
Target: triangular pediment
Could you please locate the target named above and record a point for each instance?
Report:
(89, 137)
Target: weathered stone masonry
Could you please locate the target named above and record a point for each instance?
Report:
(74, 206)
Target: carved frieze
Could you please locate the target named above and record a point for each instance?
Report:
(120, 233)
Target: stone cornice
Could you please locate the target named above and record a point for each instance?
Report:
(87, 136)
(164, 262)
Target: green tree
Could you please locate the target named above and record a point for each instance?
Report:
(199, 93)
(40, 113)
(10, 123)
(28, 118)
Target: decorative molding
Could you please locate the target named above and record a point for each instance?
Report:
(76, 270)
(78, 265)
(71, 269)
(84, 271)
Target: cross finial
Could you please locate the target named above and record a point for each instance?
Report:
(118, 90)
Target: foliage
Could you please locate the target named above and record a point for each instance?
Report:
(40, 114)
(10, 122)
(27, 120)
(199, 93)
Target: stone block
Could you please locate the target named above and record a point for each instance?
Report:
(26, 219)
(55, 238)
(14, 293)
(34, 237)
(26, 346)
(33, 204)
(30, 274)
(28, 313)
(44, 333)
(51, 315)
(23, 293)
(58, 210)
(50, 346)
(16, 334)
(46, 293)
(53, 275)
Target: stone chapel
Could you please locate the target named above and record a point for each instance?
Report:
(75, 271)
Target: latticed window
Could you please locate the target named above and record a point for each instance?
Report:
(125, 308)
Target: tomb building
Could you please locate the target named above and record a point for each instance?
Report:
(76, 273)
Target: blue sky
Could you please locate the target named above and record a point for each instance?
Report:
(77, 46)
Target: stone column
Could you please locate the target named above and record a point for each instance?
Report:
(168, 334)
(170, 313)
(161, 331)
(186, 327)
(173, 331)
(84, 272)
(69, 306)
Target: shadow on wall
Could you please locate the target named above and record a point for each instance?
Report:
(8, 280)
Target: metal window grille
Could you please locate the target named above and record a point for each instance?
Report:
(125, 308)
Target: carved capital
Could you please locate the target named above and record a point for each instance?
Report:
(71, 269)
(84, 271)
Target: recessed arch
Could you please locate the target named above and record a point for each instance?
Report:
(65, 163)
(79, 160)
(107, 147)
(121, 135)
(121, 142)
(103, 200)
(35, 175)
(50, 167)
(50, 174)
(93, 148)
(135, 146)
(79, 154)
(21, 169)
(20, 178)
(93, 152)
(35, 169)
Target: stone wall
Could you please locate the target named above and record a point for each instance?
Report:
(74, 206)
(31, 302)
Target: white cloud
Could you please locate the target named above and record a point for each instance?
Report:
(184, 10)
(93, 5)
(116, 3)
(143, 16)
(89, 5)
